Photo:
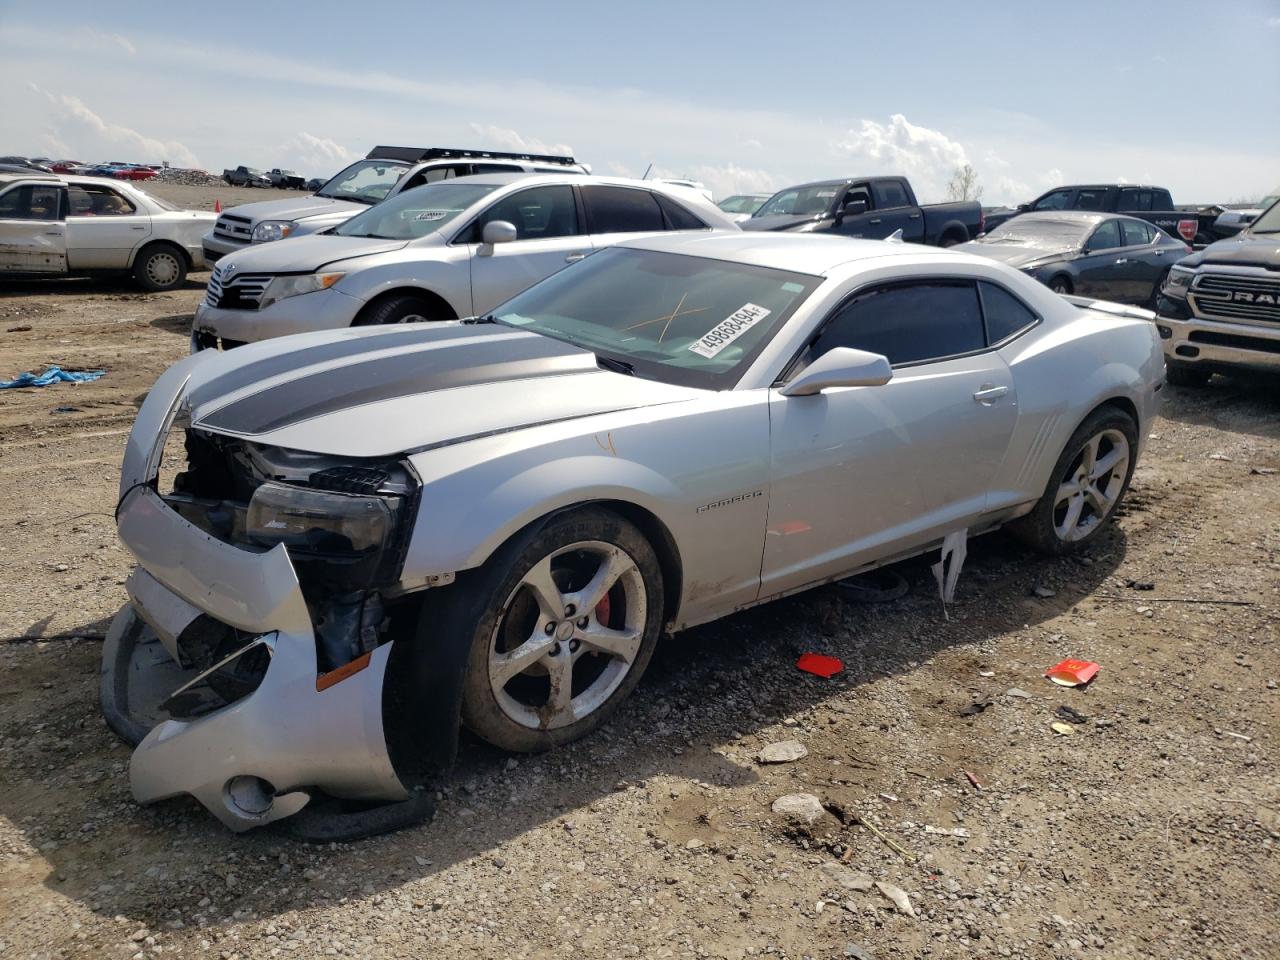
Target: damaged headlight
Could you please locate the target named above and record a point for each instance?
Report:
(319, 522)
(269, 230)
(282, 288)
(1178, 282)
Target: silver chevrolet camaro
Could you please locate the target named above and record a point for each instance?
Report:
(379, 535)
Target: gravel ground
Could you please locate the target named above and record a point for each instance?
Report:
(1152, 830)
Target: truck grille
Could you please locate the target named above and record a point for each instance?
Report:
(233, 229)
(243, 292)
(1237, 298)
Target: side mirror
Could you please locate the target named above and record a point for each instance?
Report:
(840, 367)
(1024, 207)
(853, 208)
(498, 231)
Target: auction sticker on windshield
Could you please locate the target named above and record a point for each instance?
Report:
(729, 330)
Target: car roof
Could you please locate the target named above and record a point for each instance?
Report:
(1082, 217)
(7, 177)
(1106, 186)
(814, 254)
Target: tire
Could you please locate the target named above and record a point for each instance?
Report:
(1049, 527)
(159, 267)
(512, 703)
(1185, 375)
(1061, 285)
(951, 239)
(402, 308)
(1155, 291)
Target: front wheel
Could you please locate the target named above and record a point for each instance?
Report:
(1088, 483)
(159, 268)
(562, 624)
(398, 309)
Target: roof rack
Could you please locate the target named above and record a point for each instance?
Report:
(421, 154)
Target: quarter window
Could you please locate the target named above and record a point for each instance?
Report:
(538, 214)
(621, 210)
(1005, 314)
(90, 200)
(1136, 233)
(30, 203)
(678, 218)
(908, 323)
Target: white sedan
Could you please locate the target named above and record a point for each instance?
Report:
(77, 226)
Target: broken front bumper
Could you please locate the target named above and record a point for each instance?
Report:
(254, 760)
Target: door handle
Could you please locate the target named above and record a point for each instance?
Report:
(137, 228)
(1121, 260)
(915, 216)
(574, 257)
(874, 220)
(989, 393)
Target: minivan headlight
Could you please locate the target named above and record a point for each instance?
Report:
(1178, 282)
(269, 230)
(282, 288)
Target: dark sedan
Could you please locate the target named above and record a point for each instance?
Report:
(1090, 254)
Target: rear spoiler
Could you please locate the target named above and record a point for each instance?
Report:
(1106, 306)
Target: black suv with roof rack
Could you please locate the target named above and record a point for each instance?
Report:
(383, 173)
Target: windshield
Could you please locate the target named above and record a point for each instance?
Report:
(740, 204)
(366, 181)
(1269, 220)
(1069, 233)
(799, 201)
(670, 317)
(415, 213)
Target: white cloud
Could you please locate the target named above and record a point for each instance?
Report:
(96, 38)
(1052, 178)
(504, 138)
(927, 157)
(726, 179)
(71, 124)
(1273, 23)
(312, 155)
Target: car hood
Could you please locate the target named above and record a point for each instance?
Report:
(780, 221)
(383, 392)
(1019, 253)
(1245, 250)
(304, 254)
(295, 208)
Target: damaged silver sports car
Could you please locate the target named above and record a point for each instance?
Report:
(377, 536)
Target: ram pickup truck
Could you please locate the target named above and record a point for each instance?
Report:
(869, 207)
(1153, 204)
(385, 172)
(243, 176)
(1219, 309)
(285, 179)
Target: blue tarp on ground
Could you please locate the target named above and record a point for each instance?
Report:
(52, 375)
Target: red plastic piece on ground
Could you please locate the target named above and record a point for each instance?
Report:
(1072, 673)
(820, 665)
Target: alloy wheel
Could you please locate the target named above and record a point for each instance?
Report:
(1091, 486)
(568, 635)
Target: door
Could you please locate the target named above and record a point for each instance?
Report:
(548, 238)
(615, 214)
(862, 473)
(1097, 271)
(1140, 264)
(32, 229)
(858, 224)
(103, 228)
(894, 211)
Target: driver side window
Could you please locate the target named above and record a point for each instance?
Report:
(908, 323)
(1105, 237)
(1053, 201)
(538, 213)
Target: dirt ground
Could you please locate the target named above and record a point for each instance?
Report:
(1152, 830)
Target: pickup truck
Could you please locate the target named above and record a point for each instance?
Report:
(385, 172)
(285, 179)
(1219, 308)
(870, 207)
(1153, 204)
(243, 176)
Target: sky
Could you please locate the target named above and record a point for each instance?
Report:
(745, 96)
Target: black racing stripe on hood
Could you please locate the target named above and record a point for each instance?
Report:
(384, 378)
(259, 370)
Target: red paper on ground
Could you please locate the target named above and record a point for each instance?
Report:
(820, 665)
(1072, 673)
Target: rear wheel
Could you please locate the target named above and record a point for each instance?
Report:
(402, 308)
(1185, 375)
(562, 623)
(1088, 483)
(1061, 285)
(159, 268)
(951, 239)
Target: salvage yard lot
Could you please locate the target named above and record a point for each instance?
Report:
(1152, 831)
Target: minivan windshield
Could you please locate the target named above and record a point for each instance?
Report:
(663, 316)
(415, 213)
(366, 181)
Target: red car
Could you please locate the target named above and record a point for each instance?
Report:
(134, 173)
(66, 166)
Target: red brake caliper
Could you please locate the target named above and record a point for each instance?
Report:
(603, 609)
